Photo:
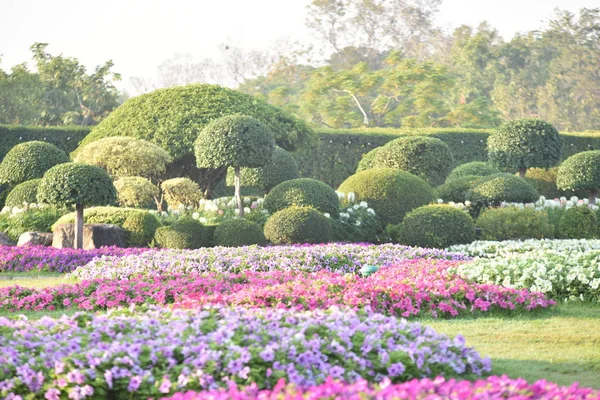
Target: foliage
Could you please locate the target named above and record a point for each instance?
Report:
(544, 181)
(239, 232)
(473, 168)
(23, 193)
(509, 223)
(184, 233)
(65, 138)
(580, 172)
(303, 192)
(32, 219)
(456, 189)
(357, 222)
(436, 226)
(298, 225)
(135, 191)
(578, 223)
(30, 160)
(181, 192)
(390, 192)
(491, 190)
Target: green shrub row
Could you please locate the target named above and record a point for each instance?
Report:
(65, 138)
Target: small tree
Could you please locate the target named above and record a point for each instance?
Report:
(30, 160)
(79, 185)
(234, 141)
(581, 172)
(525, 143)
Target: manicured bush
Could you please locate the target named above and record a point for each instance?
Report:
(390, 192)
(31, 220)
(25, 192)
(303, 192)
(436, 226)
(4, 191)
(474, 168)
(581, 172)
(426, 157)
(238, 232)
(185, 233)
(135, 191)
(578, 223)
(456, 189)
(515, 223)
(525, 143)
(494, 189)
(298, 225)
(65, 138)
(30, 160)
(544, 181)
(181, 192)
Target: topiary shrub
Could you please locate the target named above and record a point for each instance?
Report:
(544, 181)
(494, 189)
(185, 233)
(578, 223)
(135, 191)
(25, 192)
(510, 223)
(31, 220)
(30, 160)
(456, 189)
(436, 226)
(525, 143)
(426, 157)
(180, 192)
(475, 168)
(238, 232)
(581, 172)
(298, 225)
(303, 192)
(4, 191)
(390, 192)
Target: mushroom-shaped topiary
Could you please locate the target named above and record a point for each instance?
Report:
(234, 141)
(525, 143)
(136, 191)
(475, 168)
(456, 189)
(30, 160)
(581, 171)
(79, 185)
(494, 189)
(305, 192)
(25, 192)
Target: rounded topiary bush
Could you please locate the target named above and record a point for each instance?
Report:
(135, 191)
(185, 233)
(544, 181)
(426, 157)
(456, 189)
(437, 226)
(390, 192)
(581, 172)
(298, 225)
(181, 192)
(238, 232)
(30, 160)
(511, 223)
(303, 192)
(25, 192)
(475, 168)
(578, 223)
(494, 189)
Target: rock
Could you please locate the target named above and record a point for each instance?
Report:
(5, 240)
(35, 239)
(94, 236)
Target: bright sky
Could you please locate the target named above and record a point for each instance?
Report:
(140, 34)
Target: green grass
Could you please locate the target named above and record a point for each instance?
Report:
(33, 280)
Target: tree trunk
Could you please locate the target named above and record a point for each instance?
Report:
(593, 196)
(78, 226)
(522, 172)
(238, 192)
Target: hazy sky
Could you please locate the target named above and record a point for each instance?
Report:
(139, 34)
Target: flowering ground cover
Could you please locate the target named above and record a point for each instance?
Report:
(126, 354)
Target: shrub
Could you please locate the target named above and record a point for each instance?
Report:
(303, 192)
(578, 223)
(238, 232)
(436, 226)
(525, 143)
(456, 189)
(581, 172)
(25, 192)
(31, 220)
(493, 189)
(390, 192)
(181, 192)
(426, 157)
(515, 223)
(30, 160)
(544, 181)
(135, 191)
(475, 168)
(357, 223)
(4, 191)
(298, 225)
(185, 233)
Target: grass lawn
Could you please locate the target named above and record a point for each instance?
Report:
(34, 280)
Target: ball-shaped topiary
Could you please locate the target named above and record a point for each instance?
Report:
(185, 233)
(282, 167)
(30, 160)
(135, 191)
(181, 192)
(525, 143)
(581, 171)
(494, 189)
(239, 232)
(578, 223)
(303, 192)
(426, 157)
(25, 192)
(390, 192)
(544, 181)
(298, 225)
(437, 226)
(475, 168)
(456, 189)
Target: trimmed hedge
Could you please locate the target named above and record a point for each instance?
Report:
(544, 181)
(578, 223)
(185, 233)
(474, 168)
(437, 226)
(298, 225)
(238, 232)
(494, 189)
(303, 192)
(25, 192)
(456, 189)
(511, 223)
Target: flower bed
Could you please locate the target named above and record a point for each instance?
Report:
(346, 258)
(494, 387)
(129, 355)
(413, 287)
(493, 249)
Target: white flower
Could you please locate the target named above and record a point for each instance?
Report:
(195, 215)
(364, 204)
(237, 211)
(340, 195)
(468, 203)
(247, 210)
(371, 211)
(440, 201)
(247, 200)
(327, 215)
(164, 213)
(344, 215)
(357, 223)
(351, 197)
(203, 220)
(350, 210)
(356, 206)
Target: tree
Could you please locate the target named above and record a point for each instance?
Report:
(30, 160)
(234, 141)
(581, 171)
(79, 185)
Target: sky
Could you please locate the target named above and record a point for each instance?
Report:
(138, 35)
